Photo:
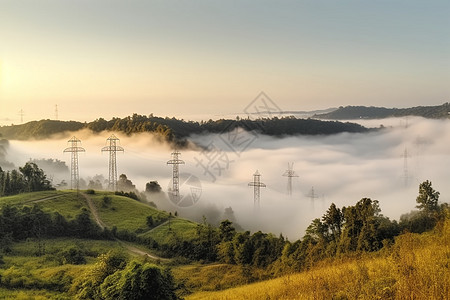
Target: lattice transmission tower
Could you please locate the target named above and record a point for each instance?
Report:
(74, 172)
(21, 114)
(290, 173)
(406, 176)
(257, 185)
(175, 162)
(312, 195)
(112, 148)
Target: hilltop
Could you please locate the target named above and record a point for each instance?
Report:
(364, 112)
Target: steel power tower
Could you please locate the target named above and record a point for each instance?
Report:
(74, 173)
(289, 174)
(406, 175)
(112, 148)
(257, 185)
(175, 161)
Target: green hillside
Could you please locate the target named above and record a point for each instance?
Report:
(45, 266)
(123, 213)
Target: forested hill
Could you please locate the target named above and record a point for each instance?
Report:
(172, 129)
(364, 112)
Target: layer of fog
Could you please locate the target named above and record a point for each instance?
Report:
(340, 168)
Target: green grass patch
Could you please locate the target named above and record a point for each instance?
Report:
(54, 246)
(181, 228)
(125, 213)
(26, 294)
(69, 205)
(31, 197)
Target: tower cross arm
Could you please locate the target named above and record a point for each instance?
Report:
(175, 162)
(75, 149)
(260, 184)
(113, 148)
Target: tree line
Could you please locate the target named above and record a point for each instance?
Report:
(177, 130)
(29, 178)
(340, 231)
(357, 112)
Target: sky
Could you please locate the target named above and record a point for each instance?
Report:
(110, 58)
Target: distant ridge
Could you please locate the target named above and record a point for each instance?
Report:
(364, 112)
(176, 130)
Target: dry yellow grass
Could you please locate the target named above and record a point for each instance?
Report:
(416, 267)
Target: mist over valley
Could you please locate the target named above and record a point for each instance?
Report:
(385, 165)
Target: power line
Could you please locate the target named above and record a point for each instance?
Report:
(289, 174)
(257, 185)
(74, 172)
(112, 149)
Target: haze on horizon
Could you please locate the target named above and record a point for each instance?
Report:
(177, 58)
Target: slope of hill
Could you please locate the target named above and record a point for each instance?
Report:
(415, 267)
(124, 216)
(364, 112)
(39, 265)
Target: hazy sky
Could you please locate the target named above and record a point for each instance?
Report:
(182, 58)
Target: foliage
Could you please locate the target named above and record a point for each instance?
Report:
(29, 178)
(428, 198)
(113, 278)
(131, 195)
(125, 185)
(429, 214)
(33, 222)
(153, 187)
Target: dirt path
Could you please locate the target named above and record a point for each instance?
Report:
(93, 210)
(163, 223)
(141, 252)
(130, 248)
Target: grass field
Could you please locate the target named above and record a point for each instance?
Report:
(181, 228)
(125, 213)
(30, 197)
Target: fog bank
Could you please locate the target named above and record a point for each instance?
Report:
(340, 168)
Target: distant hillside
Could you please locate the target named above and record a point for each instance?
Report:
(364, 112)
(175, 130)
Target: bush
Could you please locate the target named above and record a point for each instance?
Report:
(73, 255)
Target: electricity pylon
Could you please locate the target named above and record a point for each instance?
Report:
(257, 185)
(312, 195)
(112, 149)
(289, 174)
(175, 161)
(74, 173)
(406, 175)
